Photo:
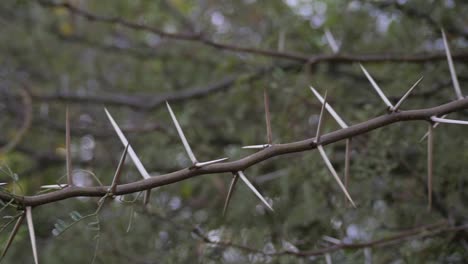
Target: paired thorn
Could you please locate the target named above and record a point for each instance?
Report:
(32, 234)
(376, 87)
(54, 186)
(448, 121)
(68, 148)
(206, 163)
(187, 147)
(330, 110)
(331, 41)
(320, 123)
(263, 146)
(118, 171)
(433, 126)
(181, 135)
(253, 189)
(430, 150)
(235, 177)
(395, 108)
(321, 150)
(12, 235)
(333, 172)
(453, 73)
(391, 107)
(266, 102)
(131, 152)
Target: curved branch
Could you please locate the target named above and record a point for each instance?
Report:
(26, 124)
(299, 57)
(244, 163)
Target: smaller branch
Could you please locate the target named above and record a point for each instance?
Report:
(26, 124)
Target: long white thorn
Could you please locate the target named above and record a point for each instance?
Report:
(206, 163)
(448, 121)
(54, 186)
(181, 135)
(331, 41)
(329, 109)
(247, 182)
(453, 73)
(376, 87)
(131, 152)
(32, 234)
(406, 94)
(320, 123)
(257, 146)
(333, 172)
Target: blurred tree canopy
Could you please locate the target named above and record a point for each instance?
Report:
(212, 60)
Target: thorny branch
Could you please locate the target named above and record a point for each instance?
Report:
(420, 231)
(244, 163)
(303, 58)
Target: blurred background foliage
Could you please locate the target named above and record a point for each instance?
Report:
(62, 58)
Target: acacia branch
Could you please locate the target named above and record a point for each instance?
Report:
(421, 231)
(244, 163)
(299, 57)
